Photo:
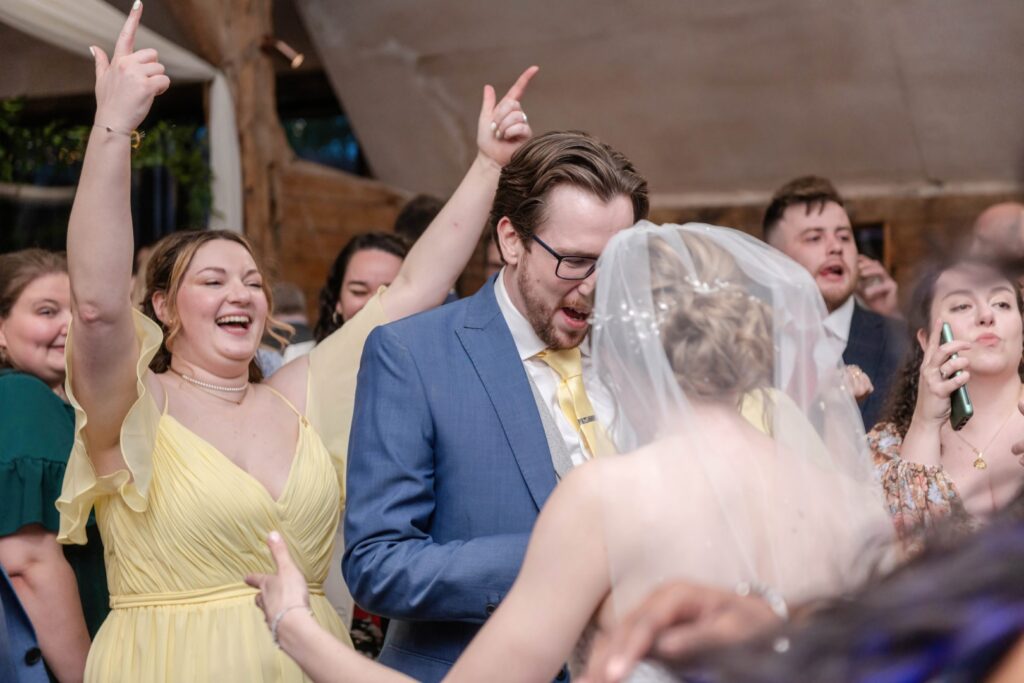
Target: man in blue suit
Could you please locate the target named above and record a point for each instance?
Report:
(806, 220)
(467, 415)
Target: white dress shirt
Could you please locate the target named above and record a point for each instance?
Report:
(544, 378)
(838, 321)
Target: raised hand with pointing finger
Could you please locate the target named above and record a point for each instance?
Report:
(503, 126)
(127, 82)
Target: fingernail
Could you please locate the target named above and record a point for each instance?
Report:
(274, 536)
(92, 51)
(616, 668)
(494, 126)
(136, 5)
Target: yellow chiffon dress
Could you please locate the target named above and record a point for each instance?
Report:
(183, 525)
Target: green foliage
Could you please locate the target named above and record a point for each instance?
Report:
(178, 150)
(56, 149)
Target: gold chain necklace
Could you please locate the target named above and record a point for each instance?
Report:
(979, 460)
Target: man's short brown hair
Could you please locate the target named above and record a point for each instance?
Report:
(562, 158)
(812, 191)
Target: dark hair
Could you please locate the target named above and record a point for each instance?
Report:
(416, 216)
(959, 605)
(165, 272)
(18, 269)
(562, 158)
(812, 191)
(903, 399)
(327, 320)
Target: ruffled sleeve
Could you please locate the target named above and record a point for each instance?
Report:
(917, 496)
(82, 487)
(333, 369)
(36, 431)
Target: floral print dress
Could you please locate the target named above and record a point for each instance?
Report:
(917, 496)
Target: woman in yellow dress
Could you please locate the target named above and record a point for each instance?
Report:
(187, 457)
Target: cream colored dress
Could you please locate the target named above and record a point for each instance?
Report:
(183, 525)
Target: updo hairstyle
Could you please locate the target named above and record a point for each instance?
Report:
(717, 336)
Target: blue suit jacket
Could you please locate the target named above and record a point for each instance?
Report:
(20, 658)
(448, 468)
(878, 346)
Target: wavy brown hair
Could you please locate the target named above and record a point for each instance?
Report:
(562, 158)
(166, 270)
(900, 408)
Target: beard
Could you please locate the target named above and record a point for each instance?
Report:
(834, 298)
(541, 317)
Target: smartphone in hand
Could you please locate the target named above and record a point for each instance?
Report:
(961, 408)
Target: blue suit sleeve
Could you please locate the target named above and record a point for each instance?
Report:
(391, 564)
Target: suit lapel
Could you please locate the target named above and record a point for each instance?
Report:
(488, 343)
(866, 338)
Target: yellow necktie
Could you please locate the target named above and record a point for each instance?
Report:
(572, 397)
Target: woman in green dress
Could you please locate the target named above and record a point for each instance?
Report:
(63, 589)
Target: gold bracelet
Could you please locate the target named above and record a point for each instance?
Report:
(134, 136)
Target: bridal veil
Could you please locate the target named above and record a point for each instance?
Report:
(747, 461)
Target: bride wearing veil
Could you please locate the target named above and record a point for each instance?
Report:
(744, 467)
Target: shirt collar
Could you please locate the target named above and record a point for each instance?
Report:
(839, 321)
(528, 344)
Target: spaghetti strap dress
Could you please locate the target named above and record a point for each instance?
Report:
(183, 525)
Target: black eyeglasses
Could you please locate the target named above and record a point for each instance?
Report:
(570, 267)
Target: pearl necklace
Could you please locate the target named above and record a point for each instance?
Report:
(207, 385)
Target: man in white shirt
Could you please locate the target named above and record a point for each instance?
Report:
(466, 416)
(806, 221)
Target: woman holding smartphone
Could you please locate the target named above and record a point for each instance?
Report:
(929, 470)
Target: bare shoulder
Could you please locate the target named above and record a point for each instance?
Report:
(585, 492)
(156, 388)
(291, 381)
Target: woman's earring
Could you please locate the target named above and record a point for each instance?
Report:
(334, 317)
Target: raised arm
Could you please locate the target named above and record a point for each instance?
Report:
(437, 258)
(938, 379)
(100, 247)
(426, 276)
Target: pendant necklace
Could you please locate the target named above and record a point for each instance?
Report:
(979, 460)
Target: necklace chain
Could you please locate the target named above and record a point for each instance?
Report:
(979, 461)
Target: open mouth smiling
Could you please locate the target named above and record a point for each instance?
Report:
(234, 323)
